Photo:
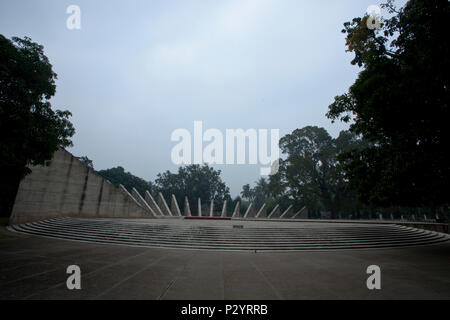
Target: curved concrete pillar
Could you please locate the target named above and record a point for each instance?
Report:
(125, 191)
(143, 203)
(288, 213)
(250, 213)
(302, 214)
(187, 208)
(174, 208)
(211, 209)
(262, 212)
(152, 203)
(163, 205)
(275, 212)
(237, 208)
(199, 207)
(224, 209)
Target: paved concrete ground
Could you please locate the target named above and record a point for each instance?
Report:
(35, 268)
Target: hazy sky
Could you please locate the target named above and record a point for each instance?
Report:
(139, 69)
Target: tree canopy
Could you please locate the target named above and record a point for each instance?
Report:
(118, 176)
(30, 130)
(311, 174)
(399, 103)
(259, 194)
(193, 181)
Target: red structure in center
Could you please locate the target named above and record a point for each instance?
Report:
(206, 218)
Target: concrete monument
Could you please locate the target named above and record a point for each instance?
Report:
(152, 203)
(163, 205)
(224, 209)
(237, 209)
(174, 208)
(262, 212)
(187, 209)
(136, 195)
(288, 213)
(250, 213)
(275, 212)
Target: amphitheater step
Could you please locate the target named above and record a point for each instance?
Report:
(214, 234)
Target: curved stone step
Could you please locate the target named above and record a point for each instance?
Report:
(221, 235)
(218, 237)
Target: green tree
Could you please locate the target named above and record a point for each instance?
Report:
(280, 193)
(277, 185)
(119, 176)
(259, 194)
(400, 103)
(30, 130)
(247, 192)
(194, 181)
(261, 191)
(233, 205)
(311, 174)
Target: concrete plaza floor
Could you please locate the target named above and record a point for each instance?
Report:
(35, 268)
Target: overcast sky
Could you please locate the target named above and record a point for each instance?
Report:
(139, 69)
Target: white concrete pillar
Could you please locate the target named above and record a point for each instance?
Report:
(237, 208)
(143, 203)
(275, 212)
(224, 209)
(250, 213)
(163, 205)
(152, 203)
(288, 213)
(302, 214)
(174, 208)
(211, 209)
(262, 212)
(187, 208)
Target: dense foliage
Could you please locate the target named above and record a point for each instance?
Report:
(194, 181)
(30, 130)
(259, 194)
(400, 104)
(311, 174)
(119, 176)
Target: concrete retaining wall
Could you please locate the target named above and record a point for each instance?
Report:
(69, 188)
